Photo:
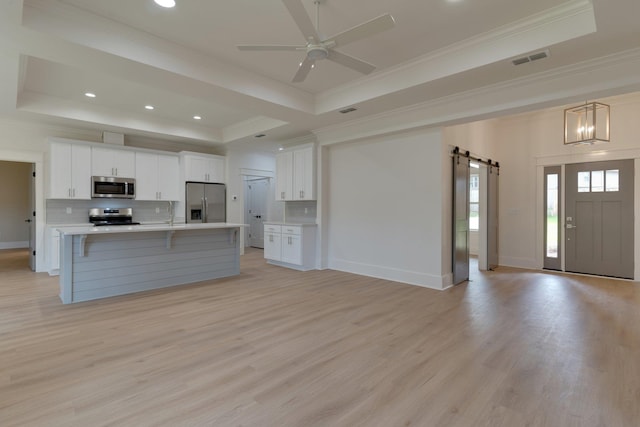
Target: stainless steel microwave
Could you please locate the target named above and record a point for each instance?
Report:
(113, 187)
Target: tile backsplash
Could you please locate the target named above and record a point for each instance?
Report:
(77, 211)
(303, 212)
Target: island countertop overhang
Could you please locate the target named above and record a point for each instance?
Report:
(141, 228)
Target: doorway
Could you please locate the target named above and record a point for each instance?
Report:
(17, 210)
(256, 195)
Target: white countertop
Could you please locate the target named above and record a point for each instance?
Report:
(65, 230)
(297, 224)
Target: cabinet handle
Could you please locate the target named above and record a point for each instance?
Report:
(282, 195)
(74, 192)
(116, 171)
(69, 192)
(301, 194)
(159, 195)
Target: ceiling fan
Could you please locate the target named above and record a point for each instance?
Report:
(317, 48)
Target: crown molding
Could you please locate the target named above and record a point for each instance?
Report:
(606, 76)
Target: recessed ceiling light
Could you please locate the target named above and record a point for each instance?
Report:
(280, 148)
(197, 118)
(260, 135)
(90, 95)
(149, 107)
(165, 3)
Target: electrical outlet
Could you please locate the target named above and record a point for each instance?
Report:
(69, 210)
(157, 210)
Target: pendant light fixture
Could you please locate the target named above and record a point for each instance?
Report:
(586, 124)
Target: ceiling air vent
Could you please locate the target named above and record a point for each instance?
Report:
(532, 57)
(348, 110)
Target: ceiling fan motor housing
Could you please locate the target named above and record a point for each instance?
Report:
(316, 52)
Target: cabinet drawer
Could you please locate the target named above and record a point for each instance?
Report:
(272, 228)
(290, 229)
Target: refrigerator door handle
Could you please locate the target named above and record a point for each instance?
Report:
(206, 210)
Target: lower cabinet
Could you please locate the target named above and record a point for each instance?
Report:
(292, 246)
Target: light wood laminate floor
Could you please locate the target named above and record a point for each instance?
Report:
(277, 347)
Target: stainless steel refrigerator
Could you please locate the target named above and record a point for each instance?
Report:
(206, 202)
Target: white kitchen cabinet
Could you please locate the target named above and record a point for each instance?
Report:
(113, 162)
(69, 171)
(296, 175)
(284, 176)
(272, 242)
(291, 246)
(304, 174)
(204, 168)
(157, 177)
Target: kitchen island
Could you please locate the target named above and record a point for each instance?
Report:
(100, 262)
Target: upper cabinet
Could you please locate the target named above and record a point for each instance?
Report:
(69, 171)
(296, 174)
(113, 162)
(157, 176)
(203, 167)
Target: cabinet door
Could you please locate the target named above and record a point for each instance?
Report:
(146, 176)
(303, 174)
(81, 172)
(60, 171)
(292, 249)
(272, 246)
(168, 177)
(124, 163)
(113, 162)
(197, 168)
(284, 178)
(216, 170)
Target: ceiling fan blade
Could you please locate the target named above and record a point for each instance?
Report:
(259, 47)
(299, 14)
(350, 62)
(303, 70)
(369, 28)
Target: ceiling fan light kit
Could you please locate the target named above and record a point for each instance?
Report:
(317, 49)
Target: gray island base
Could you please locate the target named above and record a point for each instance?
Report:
(100, 262)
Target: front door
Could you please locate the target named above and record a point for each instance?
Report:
(599, 218)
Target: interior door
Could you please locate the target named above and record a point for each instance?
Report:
(599, 218)
(460, 259)
(257, 191)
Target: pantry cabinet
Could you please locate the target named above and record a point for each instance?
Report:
(113, 162)
(296, 175)
(69, 171)
(157, 177)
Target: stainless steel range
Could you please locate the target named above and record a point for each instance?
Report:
(111, 216)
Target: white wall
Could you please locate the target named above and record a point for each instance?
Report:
(14, 204)
(385, 210)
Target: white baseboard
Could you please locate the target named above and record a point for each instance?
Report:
(528, 263)
(14, 245)
(425, 280)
